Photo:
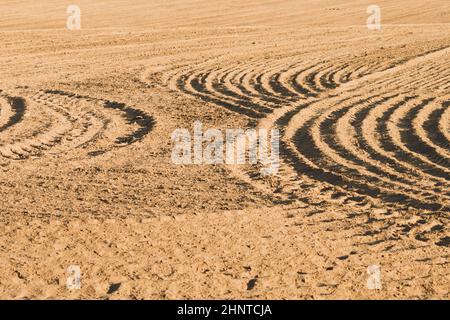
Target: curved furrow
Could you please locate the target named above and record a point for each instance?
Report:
(322, 78)
(312, 81)
(268, 81)
(299, 86)
(370, 138)
(215, 84)
(386, 145)
(325, 80)
(444, 122)
(351, 71)
(328, 79)
(230, 80)
(358, 71)
(60, 122)
(294, 125)
(288, 83)
(278, 86)
(19, 140)
(260, 84)
(243, 83)
(6, 112)
(426, 126)
(170, 78)
(278, 83)
(392, 138)
(193, 84)
(414, 142)
(255, 84)
(349, 137)
(31, 143)
(308, 159)
(338, 160)
(369, 145)
(313, 153)
(86, 125)
(141, 122)
(12, 110)
(130, 124)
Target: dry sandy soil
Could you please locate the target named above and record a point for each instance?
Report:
(86, 176)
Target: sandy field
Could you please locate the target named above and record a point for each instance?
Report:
(87, 178)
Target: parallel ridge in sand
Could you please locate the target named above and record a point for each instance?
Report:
(340, 124)
(54, 122)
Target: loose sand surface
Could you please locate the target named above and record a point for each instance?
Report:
(87, 180)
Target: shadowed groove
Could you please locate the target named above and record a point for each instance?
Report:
(374, 153)
(388, 145)
(379, 163)
(431, 126)
(415, 143)
(17, 107)
(60, 122)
